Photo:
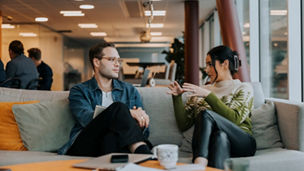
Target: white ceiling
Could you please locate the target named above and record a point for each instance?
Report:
(122, 20)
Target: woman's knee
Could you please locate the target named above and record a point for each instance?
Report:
(203, 116)
(221, 136)
(221, 139)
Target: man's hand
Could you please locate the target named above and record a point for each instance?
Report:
(140, 116)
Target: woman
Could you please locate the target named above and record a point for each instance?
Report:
(220, 112)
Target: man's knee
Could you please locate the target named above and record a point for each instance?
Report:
(119, 105)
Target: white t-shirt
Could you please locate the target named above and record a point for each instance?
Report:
(107, 99)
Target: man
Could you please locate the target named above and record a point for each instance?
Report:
(2, 72)
(44, 70)
(20, 67)
(122, 126)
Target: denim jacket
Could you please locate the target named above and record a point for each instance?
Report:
(85, 96)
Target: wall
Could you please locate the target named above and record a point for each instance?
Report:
(144, 54)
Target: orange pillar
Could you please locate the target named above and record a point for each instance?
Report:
(231, 34)
(191, 42)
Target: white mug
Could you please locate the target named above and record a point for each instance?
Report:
(167, 155)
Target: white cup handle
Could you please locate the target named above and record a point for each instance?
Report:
(154, 151)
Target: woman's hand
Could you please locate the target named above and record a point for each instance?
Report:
(140, 116)
(196, 90)
(175, 89)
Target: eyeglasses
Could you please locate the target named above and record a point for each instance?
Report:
(111, 59)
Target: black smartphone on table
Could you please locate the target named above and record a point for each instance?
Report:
(121, 158)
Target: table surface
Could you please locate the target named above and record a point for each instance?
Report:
(66, 165)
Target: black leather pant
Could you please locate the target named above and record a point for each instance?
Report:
(216, 139)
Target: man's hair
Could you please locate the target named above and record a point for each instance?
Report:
(17, 47)
(96, 51)
(34, 53)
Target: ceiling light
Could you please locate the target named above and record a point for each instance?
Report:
(77, 12)
(155, 25)
(156, 33)
(41, 19)
(278, 12)
(87, 25)
(98, 34)
(73, 14)
(156, 13)
(7, 26)
(86, 6)
(28, 34)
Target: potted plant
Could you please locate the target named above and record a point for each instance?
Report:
(176, 53)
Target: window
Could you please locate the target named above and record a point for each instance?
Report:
(273, 48)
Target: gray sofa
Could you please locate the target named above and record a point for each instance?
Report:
(285, 153)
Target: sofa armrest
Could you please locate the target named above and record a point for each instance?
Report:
(290, 122)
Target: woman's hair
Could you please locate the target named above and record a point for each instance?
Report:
(222, 53)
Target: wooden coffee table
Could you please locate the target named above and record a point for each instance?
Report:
(66, 165)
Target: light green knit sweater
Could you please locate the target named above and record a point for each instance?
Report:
(231, 99)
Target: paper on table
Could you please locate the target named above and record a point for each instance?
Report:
(104, 162)
(134, 167)
(188, 167)
(98, 110)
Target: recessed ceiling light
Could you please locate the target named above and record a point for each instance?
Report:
(73, 14)
(156, 13)
(41, 19)
(156, 33)
(27, 34)
(278, 12)
(98, 34)
(155, 25)
(88, 25)
(7, 26)
(86, 6)
(77, 12)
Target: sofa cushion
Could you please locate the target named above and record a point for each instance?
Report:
(277, 159)
(264, 126)
(159, 106)
(20, 95)
(9, 133)
(44, 126)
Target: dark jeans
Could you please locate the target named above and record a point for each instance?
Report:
(217, 139)
(111, 131)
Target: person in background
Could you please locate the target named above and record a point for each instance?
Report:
(20, 67)
(44, 70)
(122, 126)
(218, 114)
(2, 72)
